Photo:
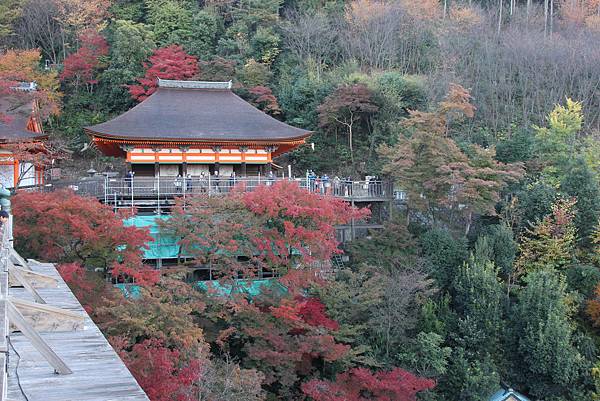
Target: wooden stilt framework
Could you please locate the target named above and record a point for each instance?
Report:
(28, 317)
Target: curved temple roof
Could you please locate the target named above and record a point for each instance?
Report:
(14, 129)
(195, 111)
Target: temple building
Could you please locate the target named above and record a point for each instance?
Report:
(196, 128)
(21, 124)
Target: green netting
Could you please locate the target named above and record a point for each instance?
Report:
(250, 288)
(163, 246)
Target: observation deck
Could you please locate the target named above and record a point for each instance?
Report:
(157, 195)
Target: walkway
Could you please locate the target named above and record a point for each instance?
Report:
(92, 370)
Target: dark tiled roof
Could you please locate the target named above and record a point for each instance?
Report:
(16, 128)
(196, 114)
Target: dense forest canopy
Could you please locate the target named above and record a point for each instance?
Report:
(485, 112)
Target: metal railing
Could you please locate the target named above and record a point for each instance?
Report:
(108, 189)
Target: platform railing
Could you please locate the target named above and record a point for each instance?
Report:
(149, 187)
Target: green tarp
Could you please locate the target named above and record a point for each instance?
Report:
(162, 246)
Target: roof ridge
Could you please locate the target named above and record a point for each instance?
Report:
(179, 84)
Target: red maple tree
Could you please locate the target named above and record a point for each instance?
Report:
(272, 228)
(264, 99)
(160, 371)
(360, 384)
(171, 62)
(63, 227)
(286, 339)
(81, 67)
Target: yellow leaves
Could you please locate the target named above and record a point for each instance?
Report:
(551, 242)
(567, 119)
(83, 14)
(23, 66)
(422, 9)
(360, 12)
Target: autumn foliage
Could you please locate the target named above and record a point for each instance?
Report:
(23, 66)
(171, 62)
(161, 372)
(65, 228)
(362, 385)
(81, 67)
(270, 227)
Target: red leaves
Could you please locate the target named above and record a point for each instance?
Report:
(270, 228)
(170, 62)
(160, 371)
(288, 341)
(63, 227)
(263, 98)
(347, 103)
(81, 66)
(361, 385)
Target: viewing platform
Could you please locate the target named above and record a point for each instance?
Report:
(147, 193)
(50, 349)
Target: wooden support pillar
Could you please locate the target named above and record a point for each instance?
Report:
(156, 169)
(244, 169)
(184, 169)
(217, 168)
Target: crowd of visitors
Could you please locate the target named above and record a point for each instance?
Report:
(345, 186)
(217, 182)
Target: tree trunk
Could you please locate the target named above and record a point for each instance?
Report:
(551, 17)
(501, 5)
(528, 9)
(445, 9)
(545, 18)
(469, 220)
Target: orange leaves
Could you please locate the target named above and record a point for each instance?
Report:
(23, 66)
(457, 103)
(269, 228)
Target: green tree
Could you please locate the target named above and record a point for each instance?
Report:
(207, 25)
(501, 247)
(580, 183)
(131, 44)
(556, 143)
(171, 21)
(550, 244)
(478, 301)
(443, 254)
(548, 364)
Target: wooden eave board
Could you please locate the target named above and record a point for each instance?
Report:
(98, 372)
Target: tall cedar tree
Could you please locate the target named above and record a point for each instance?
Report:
(435, 172)
(170, 62)
(347, 108)
(82, 66)
(66, 228)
